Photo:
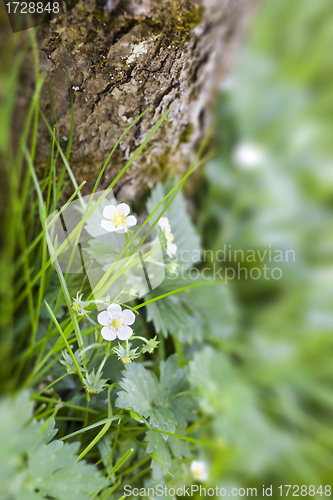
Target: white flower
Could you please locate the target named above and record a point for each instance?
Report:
(166, 229)
(199, 470)
(117, 218)
(115, 322)
(248, 156)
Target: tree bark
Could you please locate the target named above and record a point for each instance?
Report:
(121, 57)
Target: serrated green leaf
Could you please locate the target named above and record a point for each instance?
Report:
(171, 377)
(49, 458)
(166, 404)
(179, 447)
(171, 316)
(102, 251)
(183, 408)
(49, 467)
(77, 482)
(162, 418)
(140, 390)
(162, 401)
(194, 314)
(157, 445)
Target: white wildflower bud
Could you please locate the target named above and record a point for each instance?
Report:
(199, 470)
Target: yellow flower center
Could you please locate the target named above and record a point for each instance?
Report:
(116, 323)
(170, 237)
(118, 219)
(125, 360)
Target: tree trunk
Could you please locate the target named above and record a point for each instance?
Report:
(121, 57)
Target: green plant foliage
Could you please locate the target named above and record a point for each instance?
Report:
(194, 314)
(158, 446)
(101, 251)
(68, 361)
(164, 401)
(249, 393)
(174, 316)
(33, 466)
(186, 237)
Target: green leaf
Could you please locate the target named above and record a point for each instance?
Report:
(140, 390)
(48, 467)
(171, 377)
(166, 403)
(157, 445)
(102, 251)
(46, 460)
(200, 312)
(162, 418)
(163, 402)
(26, 494)
(215, 307)
(172, 316)
(77, 482)
(184, 408)
(179, 447)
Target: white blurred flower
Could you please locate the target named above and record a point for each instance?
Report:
(116, 322)
(166, 230)
(248, 156)
(199, 470)
(117, 218)
(227, 84)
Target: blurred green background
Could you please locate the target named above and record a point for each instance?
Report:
(270, 382)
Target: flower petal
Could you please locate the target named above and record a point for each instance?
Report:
(109, 211)
(103, 318)
(164, 224)
(130, 221)
(121, 229)
(114, 310)
(108, 333)
(123, 208)
(128, 316)
(125, 333)
(108, 225)
(171, 249)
